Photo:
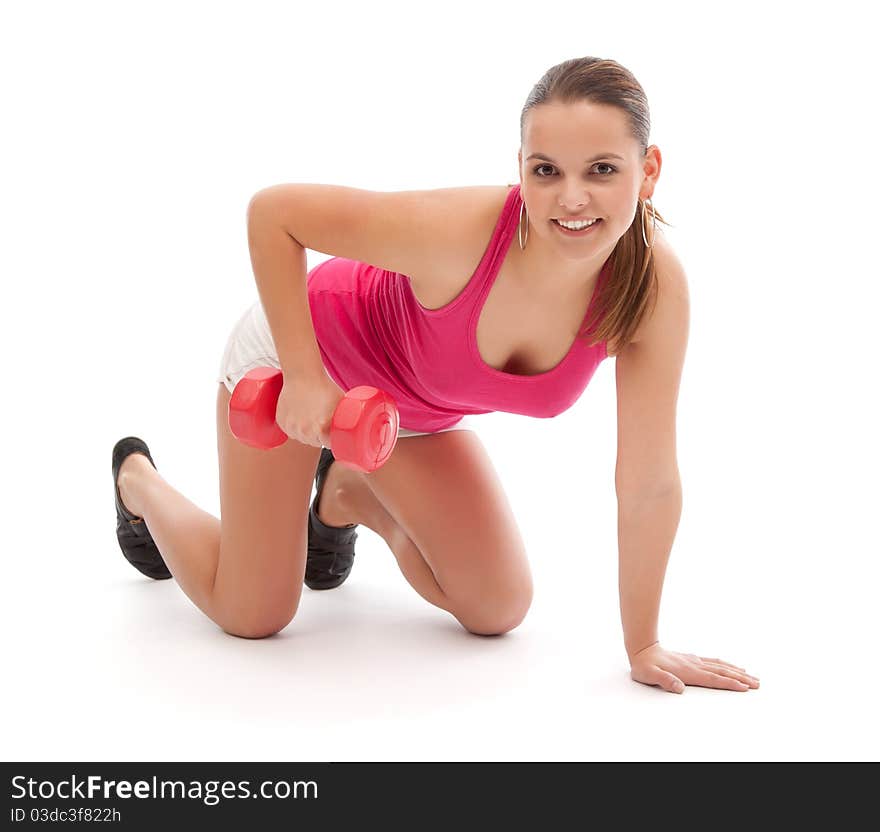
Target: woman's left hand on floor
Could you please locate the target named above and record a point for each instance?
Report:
(653, 665)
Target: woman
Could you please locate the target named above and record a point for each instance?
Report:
(414, 302)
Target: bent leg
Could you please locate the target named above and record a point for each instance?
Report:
(244, 571)
(444, 493)
(187, 537)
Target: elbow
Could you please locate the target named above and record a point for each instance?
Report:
(649, 489)
(269, 208)
(263, 215)
(256, 205)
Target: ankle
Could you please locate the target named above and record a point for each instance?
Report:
(133, 467)
(135, 462)
(361, 506)
(334, 509)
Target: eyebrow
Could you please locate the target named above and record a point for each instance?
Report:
(594, 159)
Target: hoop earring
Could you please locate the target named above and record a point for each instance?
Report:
(654, 228)
(522, 245)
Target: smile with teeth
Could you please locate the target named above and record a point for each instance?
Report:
(576, 226)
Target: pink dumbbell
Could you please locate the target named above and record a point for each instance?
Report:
(363, 432)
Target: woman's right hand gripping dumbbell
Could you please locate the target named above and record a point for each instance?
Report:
(306, 406)
(359, 427)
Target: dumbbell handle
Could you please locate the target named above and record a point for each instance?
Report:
(363, 431)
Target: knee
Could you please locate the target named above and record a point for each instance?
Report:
(260, 625)
(494, 616)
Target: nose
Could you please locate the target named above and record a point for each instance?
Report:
(573, 200)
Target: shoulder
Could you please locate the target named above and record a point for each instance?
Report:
(671, 306)
(672, 282)
(649, 368)
(481, 207)
(469, 218)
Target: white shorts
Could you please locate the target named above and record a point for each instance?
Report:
(250, 345)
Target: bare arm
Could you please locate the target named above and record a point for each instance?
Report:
(280, 269)
(649, 495)
(645, 532)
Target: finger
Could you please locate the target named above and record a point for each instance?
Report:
(719, 661)
(669, 682)
(726, 670)
(708, 679)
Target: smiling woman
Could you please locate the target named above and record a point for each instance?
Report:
(427, 296)
(577, 103)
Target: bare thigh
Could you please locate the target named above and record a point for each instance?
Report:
(445, 494)
(264, 507)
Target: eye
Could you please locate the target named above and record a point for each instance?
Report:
(598, 164)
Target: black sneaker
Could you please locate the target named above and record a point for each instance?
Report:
(131, 531)
(331, 548)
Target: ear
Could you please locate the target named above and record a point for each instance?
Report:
(653, 163)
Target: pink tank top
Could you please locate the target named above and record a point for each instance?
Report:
(372, 330)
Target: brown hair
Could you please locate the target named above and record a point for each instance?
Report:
(623, 299)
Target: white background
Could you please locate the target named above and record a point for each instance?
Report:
(134, 137)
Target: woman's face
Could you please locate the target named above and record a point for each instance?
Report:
(579, 160)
